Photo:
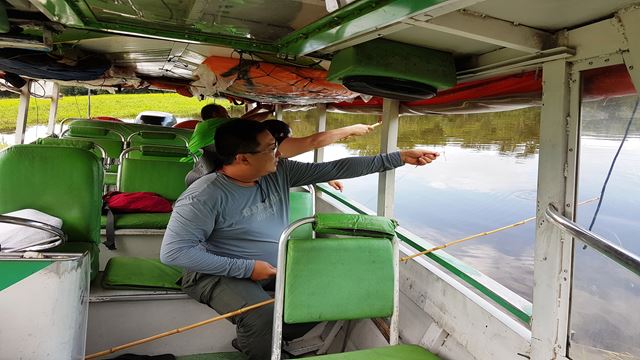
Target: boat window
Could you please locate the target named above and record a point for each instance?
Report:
(604, 317)
(484, 179)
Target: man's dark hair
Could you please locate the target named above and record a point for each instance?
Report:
(212, 111)
(238, 136)
(278, 129)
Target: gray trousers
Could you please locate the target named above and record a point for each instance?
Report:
(253, 328)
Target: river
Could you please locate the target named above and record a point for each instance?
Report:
(486, 178)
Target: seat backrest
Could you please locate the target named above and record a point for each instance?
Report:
(301, 205)
(325, 279)
(65, 182)
(340, 278)
(80, 143)
(156, 137)
(163, 177)
(108, 139)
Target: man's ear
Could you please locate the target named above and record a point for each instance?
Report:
(242, 159)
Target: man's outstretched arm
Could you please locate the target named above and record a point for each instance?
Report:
(310, 173)
(293, 146)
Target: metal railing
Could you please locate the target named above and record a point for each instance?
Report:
(605, 247)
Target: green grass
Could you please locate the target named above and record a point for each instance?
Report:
(123, 106)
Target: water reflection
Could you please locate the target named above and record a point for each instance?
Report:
(485, 179)
(603, 313)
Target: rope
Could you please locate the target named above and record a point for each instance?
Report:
(613, 163)
(440, 247)
(178, 330)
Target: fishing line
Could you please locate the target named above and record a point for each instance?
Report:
(613, 163)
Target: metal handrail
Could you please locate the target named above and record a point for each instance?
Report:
(58, 233)
(122, 138)
(605, 247)
(142, 132)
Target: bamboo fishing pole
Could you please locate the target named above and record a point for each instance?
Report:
(178, 330)
(440, 247)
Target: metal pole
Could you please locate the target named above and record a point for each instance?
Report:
(318, 154)
(23, 112)
(388, 143)
(53, 110)
(88, 103)
(279, 112)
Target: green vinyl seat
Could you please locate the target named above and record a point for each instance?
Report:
(156, 137)
(110, 140)
(301, 206)
(341, 278)
(127, 129)
(123, 272)
(163, 177)
(139, 221)
(87, 144)
(402, 351)
(65, 182)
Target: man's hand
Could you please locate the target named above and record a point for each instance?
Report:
(360, 129)
(418, 156)
(262, 270)
(336, 185)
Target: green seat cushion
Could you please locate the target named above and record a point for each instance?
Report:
(133, 272)
(338, 278)
(404, 352)
(139, 221)
(355, 225)
(165, 178)
(81, 247)
(300, 206)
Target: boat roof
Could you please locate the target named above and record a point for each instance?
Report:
(165, 42)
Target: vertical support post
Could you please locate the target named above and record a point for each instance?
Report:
(88, 103)
(388, 143)
(557, 171)
(53, 110)
(318, 154)
(279, 112)
(23, 112)
(630, 19)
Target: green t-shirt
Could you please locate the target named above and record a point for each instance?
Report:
(203, 134)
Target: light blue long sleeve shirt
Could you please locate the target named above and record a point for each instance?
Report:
(219, 227)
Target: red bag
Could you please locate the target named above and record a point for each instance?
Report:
(136, 202)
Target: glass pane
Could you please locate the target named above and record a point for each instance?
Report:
(485, 179)
(605, 321)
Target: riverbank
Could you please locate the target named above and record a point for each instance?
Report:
(122, 106)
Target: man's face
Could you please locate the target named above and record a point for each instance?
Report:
(265, 159)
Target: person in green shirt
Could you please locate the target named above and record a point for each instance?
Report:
(214, 115)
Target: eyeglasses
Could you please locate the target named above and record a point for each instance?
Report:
(271, 150)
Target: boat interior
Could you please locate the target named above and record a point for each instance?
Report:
(100, 284)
